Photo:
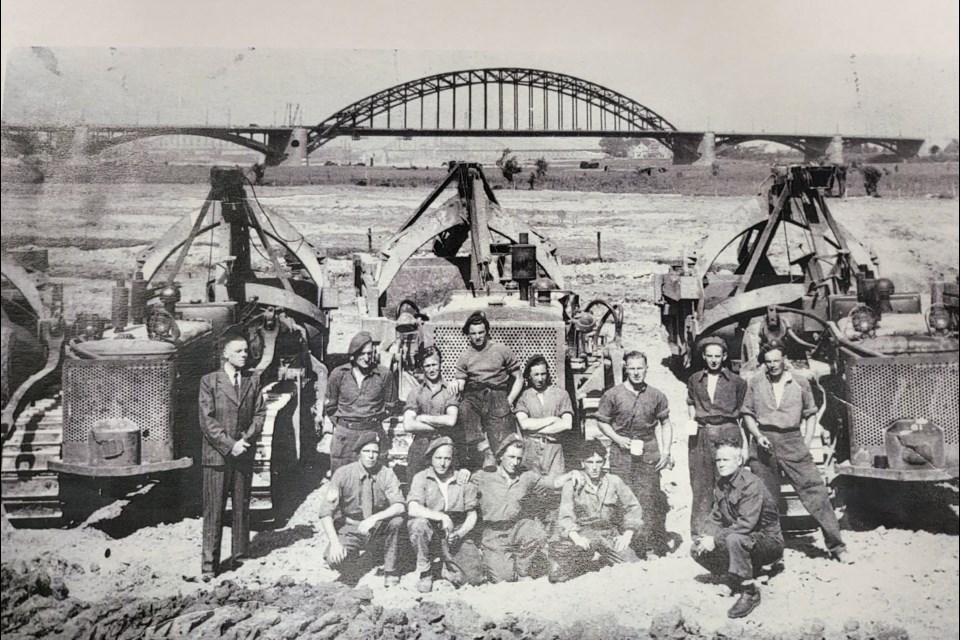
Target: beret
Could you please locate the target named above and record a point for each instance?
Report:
(366, 437)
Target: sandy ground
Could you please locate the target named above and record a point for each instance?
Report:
(905, 580)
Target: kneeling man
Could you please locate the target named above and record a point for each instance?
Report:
(743, 531)
(598, 519)
(366, 497)
(443, 510)
(512, 542)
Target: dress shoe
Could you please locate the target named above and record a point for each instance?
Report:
(747, 602)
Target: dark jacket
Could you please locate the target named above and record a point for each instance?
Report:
(742, 505)
(224, 418)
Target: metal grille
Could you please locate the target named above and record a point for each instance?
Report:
(524, 339)
(139, 390)
(882, 391)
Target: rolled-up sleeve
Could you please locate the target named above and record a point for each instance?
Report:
(391, 486)
(418, 490)
(748, 408)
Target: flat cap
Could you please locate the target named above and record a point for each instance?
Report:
(507, 442)
(709, 340)
(366, 437)
(358, 342)
(436, 443)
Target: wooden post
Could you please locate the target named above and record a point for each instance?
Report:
(599, 255)
(369, 240)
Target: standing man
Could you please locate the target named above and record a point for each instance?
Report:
(775, 405)
(714, 398)
(743, 531)
(232, 412)
(443, 510)
(598, 519)
(359, 394)
(636, 417)
(487, 377)
(365, 498)
(512, 544)
(543, 411)
(431, 412)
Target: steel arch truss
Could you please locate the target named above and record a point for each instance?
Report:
(576, 105)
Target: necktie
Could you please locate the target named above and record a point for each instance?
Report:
(366, 496)
(236, 382)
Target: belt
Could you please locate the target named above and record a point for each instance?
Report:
(359, 424)
(775, 429)
(499, 525)
(479, 386)
(541, 437)
(718, 422)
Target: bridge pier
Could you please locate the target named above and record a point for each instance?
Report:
(835, 150)
(707, 149)
(687, 146)
(288, 148)
(77, 153)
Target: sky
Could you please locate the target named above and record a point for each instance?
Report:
(855, 67)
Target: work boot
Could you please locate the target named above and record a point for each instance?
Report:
(453, 574)
(425, 583)
(391, 581)
(748, 601)
(842, 556)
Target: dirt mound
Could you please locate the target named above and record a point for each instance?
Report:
(37, 604)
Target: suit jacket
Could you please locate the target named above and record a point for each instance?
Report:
(225, 418)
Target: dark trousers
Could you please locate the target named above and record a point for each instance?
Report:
(382, 541)
(345, 439)
(512, 552)
(643, 478)
(703, 469)
(742, 555)
(567, 560)
(429, 541)
(790, 454)
(218, 483)
(486, 412)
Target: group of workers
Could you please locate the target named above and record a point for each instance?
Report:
(490, 497)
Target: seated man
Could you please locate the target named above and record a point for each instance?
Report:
(743, 531)
(443, 509)
(512, 544)
(431, 412)
(366, 497)
(598, 519)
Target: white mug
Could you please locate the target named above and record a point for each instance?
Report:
(636, 447)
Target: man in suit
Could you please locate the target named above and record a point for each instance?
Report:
(232, 412)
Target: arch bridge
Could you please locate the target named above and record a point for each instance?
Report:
(498, 102)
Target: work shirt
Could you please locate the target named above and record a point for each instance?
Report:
(727, 400)
(431, 401)
(598, 505)
(344, 491)
(741, 504)
(552, 404)
(761, 403)
(348, 399)
(500, 496)
(426, 490)
(487, 367)
(631, 414)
